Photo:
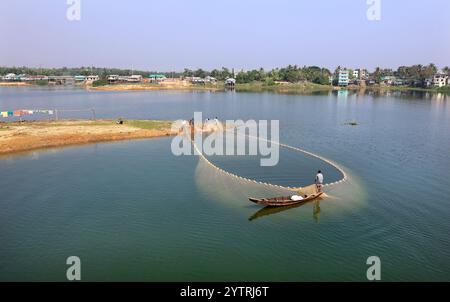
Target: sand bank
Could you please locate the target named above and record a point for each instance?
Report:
(14, 84)
(24, 136)
(166, 85)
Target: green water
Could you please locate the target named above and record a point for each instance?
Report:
(133, 211)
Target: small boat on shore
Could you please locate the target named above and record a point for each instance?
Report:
(283, 201)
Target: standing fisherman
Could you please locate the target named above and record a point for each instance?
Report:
(319, 181)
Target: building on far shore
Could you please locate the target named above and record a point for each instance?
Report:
(210, 79)
(33, 78)
(156, 78)
(342, 77)
(388, 80)
(399, 82)
(230, 82)
(80, 78)
(196, 80)
(9, 77)
(92, 78)
(200, 80)
(440, 80)
(134, 78)
(61, 80)
(363, 74)
(89, 78)
(112, 79)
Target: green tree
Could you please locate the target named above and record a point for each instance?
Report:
(188, 73)
(200, 73)
(322, 79)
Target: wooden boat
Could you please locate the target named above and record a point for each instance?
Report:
(283, 201)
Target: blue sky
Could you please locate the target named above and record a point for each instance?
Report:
(173, 34)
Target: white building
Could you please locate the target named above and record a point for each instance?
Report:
(230, 82)
(343, 77)
(440, 80)
(92, 78)
(80, 78)
(196, 80)
(113, 78)
(9, 77)
(210, 79)
(134, 78)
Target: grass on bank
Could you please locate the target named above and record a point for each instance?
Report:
(99, 83)
(445, 90)
(141, 124)
(258, 86)
(282, 88)
(149, 124)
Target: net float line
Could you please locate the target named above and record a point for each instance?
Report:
(249, 180)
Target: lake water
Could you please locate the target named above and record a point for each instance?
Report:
(134, 212)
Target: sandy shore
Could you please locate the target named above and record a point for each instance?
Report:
(24, 136)
(13, 84)
(167, 85)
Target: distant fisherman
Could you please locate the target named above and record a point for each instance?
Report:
(319, 181)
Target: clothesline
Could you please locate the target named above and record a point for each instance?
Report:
(24, 112)
(27, 112)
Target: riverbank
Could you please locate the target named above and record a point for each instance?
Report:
(31, 135)
(247, 87)
(169, 85)
(14, 84)
(281, 88)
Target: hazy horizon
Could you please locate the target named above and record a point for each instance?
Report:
(173, 35)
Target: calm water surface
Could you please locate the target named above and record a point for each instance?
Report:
(133, 211)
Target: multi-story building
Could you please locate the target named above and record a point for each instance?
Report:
(342, 77)
(363, 74)
(440, 80)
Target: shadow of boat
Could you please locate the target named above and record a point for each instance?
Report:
(266, 211)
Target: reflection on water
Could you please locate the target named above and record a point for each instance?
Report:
(316, 211)
(342, 94)
(377, 93)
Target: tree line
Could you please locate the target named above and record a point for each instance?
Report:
(292, 73)
(65, 71)
(415, 72)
